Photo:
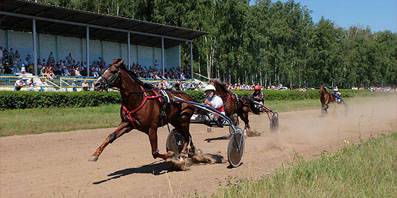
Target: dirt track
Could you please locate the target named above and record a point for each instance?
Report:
(55, 164)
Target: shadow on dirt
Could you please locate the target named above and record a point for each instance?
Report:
(159, 168)
(156, 168)
(226, 137)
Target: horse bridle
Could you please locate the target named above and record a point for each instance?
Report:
(113, 78)
(116, 76)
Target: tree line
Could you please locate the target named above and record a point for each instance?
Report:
(266, 42)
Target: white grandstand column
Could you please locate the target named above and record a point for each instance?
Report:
(34, 38)
(129, 50)
(88, 49)
(191, 59)
(162, 54)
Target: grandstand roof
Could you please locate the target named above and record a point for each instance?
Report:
(18, 15)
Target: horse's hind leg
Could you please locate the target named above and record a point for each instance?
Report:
(124, 127)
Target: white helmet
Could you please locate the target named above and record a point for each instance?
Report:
(209, 88)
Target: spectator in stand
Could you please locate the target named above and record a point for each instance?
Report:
(49, 73)
(69, 60)
(28, 60)
(17, 57)
(1, 55)
(51, 59)
(11, 56)
(77, 71)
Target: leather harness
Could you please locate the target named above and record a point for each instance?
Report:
(131, 114)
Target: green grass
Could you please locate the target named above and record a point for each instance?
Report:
(292, 105)
(363, 170)
(40, 120)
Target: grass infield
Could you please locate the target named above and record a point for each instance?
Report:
(41, 120)
(368, 169)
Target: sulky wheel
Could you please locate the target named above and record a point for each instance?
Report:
(274, 121)
(235, 149)
(175, 142)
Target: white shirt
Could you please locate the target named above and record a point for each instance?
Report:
(215, 101)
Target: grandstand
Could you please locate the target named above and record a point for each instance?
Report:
(51, 41)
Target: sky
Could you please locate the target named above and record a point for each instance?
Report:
(379, 15)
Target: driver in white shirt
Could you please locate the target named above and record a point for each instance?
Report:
(213, 100)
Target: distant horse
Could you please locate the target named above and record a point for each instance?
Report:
(326, 98)
(144, 108)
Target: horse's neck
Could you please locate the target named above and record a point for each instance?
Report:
(221, 91)
(131, 92)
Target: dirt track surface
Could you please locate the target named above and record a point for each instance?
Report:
(55, 164)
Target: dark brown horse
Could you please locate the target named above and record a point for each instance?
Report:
(326, 98)
(234, 106)
(241, 106)
(144, 108)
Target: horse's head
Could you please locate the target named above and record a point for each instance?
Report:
(323, 89)
(111, 77)
(221, 88)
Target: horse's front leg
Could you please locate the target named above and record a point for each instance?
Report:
(244, 116)
(124, 127)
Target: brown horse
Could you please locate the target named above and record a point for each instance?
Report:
(241, 106)
(234, 106)
(326, 98)
(144, 108)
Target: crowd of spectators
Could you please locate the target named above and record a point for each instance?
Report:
(153, 73)
(11, 62)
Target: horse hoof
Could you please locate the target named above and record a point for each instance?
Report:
(93, 158)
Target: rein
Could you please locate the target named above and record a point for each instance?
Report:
(131, 114)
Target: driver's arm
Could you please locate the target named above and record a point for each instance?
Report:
(207, 102)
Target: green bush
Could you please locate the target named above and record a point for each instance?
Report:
(23, 100)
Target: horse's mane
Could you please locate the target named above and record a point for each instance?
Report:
(323, 89)
(136, 78)
(220, 87)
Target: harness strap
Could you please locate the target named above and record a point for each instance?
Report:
(130, 113)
